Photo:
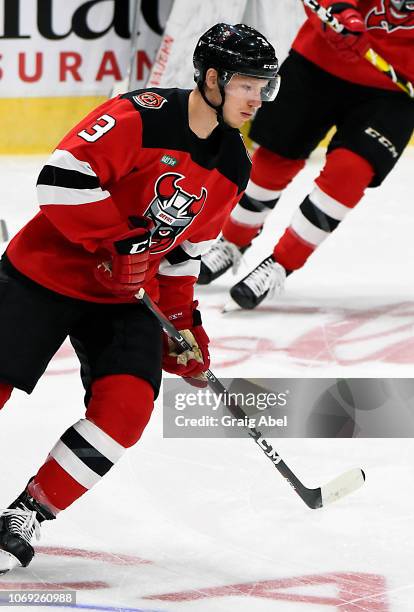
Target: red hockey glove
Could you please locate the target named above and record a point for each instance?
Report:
(351, 44)
(191, 365)
(125, 271)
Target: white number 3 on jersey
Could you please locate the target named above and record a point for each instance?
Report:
(98, 129)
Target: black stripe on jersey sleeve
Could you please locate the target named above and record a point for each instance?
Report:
(87, 453)
(317, 217)
(60, 177)
(178, 255)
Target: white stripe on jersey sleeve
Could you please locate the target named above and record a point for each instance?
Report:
(67, 161)
(193, 249)
(186, 268)
(51, 194)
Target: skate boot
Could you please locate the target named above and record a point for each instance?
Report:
(222, 256)
(266, 279)
(19, 525)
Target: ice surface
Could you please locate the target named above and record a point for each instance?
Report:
(209, 525)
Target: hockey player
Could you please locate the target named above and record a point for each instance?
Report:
(131, 197)
(325, 82)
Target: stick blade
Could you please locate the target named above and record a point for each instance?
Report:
(4, 234)
(342, 485)
(230, 306)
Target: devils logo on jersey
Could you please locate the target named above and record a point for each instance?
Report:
(387, 17)
(172, 210)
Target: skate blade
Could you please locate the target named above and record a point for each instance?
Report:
(7, 562)
(231, 306)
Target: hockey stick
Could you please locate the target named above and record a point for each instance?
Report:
(4, 234)
(124, 85)
(313, 498)
(371, 56)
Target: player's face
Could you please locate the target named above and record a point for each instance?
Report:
(243, 98)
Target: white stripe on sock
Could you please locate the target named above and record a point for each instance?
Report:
(107, 446)
(261, 193)
(249, 217)
(328, 205)
(306, 230)
(74, 466)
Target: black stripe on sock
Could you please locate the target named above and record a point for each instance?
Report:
(317, 217)
(60, 177)
(249, 203)
(87, 453)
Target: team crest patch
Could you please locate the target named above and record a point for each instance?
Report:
(149, 99)
(172, 210)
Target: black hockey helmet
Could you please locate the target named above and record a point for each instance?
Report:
(236, 49)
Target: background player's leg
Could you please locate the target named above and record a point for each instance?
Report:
(287, 130)
(5, 393)
(325, 207)
(318, 215)
(271, 173)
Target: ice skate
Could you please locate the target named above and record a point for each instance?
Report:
(222, 256)
(19, 527)
(266, 279)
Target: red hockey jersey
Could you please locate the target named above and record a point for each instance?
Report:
(133, 155)
(389, 32)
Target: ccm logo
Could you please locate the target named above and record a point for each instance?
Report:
(139, 247)
(382, 140)
(177, 315)
(270, 66)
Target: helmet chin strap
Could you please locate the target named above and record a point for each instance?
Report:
(219, 107)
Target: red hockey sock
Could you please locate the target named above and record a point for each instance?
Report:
(54, 487)
(291, 251)
(345, 176)
(339, 187)
(5, 393)
(238, 233)
(118, 411)
(272, 171)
